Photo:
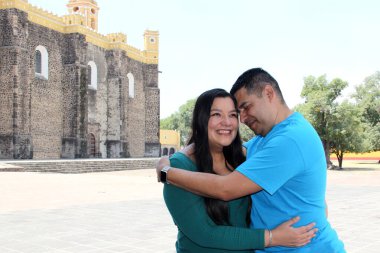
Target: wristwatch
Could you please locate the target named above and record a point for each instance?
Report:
(163, 174)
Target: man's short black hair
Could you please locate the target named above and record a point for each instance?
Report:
(254, 80)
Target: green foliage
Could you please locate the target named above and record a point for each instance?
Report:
(315, 88)
(320, 100)
(373, 136)
(168, 123)
(367, 97)
(245, 133)
(346, 131)
(180, 120)
(338, 125)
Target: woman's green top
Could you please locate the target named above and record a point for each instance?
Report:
(197, 233)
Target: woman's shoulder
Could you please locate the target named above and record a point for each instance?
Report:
(179, 155)
(183, 161)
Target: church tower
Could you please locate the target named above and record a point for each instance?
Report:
(151, 39)
(86, 8)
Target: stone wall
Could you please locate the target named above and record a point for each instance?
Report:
(136, 111)
(152, 105)
(46, 94)
(152, 118)
(15, 139)
(55, 117)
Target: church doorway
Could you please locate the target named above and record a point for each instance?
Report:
(92, 145)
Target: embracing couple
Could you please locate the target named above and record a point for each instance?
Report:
(267, 194)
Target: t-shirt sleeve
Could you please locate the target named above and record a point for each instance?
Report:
(189, 214)
(274, 164)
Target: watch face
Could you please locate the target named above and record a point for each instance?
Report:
(163, 176)
(152, 40)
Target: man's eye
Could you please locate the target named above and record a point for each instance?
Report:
(246, 107)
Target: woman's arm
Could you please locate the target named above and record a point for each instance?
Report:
(190, 215)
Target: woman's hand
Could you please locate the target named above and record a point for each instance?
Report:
(288, 236)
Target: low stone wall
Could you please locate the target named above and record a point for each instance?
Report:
(78, 165)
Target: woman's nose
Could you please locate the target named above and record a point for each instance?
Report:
(226, 120)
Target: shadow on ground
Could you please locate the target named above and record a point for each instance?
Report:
(348, 169)
(364, 165)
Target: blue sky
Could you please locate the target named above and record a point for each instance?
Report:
(206, 44)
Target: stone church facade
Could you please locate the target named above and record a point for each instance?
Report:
(67, 91)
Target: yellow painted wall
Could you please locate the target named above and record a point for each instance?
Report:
(371, 155)
(170, 138)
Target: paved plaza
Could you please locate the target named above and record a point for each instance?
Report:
(124, 211)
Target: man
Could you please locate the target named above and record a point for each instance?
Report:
(285, 170)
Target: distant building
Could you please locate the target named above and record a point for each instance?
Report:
(67, 91)
(170, 141)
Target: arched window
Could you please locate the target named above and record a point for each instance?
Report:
(38, 59)
(93, 76)
(41, 62)
(172, 151)
(131, 81)
(165, 151)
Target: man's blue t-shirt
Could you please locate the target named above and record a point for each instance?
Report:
(289, 164)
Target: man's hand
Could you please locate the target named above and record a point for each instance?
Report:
(164, 161)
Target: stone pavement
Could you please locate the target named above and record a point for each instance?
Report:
(124, 211)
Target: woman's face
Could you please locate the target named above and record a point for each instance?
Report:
(223, 123)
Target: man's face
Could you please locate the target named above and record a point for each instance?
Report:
(255, 111)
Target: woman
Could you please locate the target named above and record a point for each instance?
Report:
(210, 225)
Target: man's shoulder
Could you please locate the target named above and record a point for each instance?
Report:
(296, 125)
(296, 119)
(291, 133)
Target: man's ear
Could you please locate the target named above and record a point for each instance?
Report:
(269, 92)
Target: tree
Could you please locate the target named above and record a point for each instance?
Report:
(320, 101)
(346, 131)
(180, 120)
(367, 97)
(168, 123)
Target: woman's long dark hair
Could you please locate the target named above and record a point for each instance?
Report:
(216, 209)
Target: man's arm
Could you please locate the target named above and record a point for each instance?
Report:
(232, 186)
(190, 215)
